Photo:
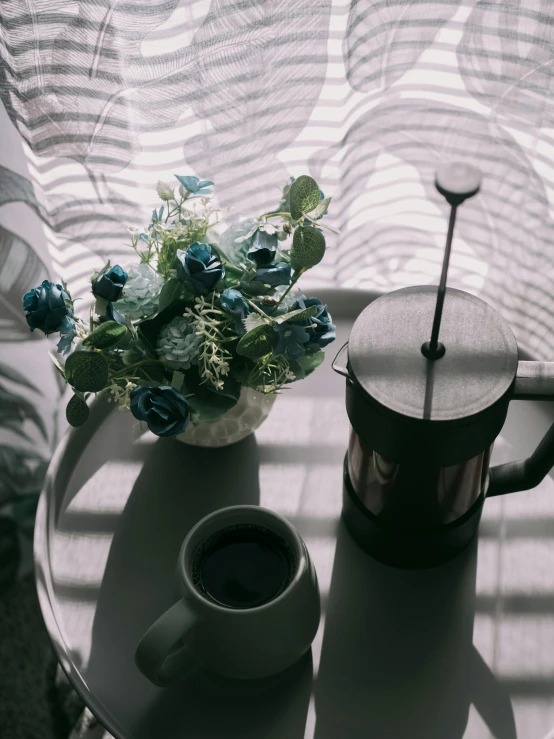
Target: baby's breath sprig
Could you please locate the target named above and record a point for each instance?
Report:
(270, 374)
(213, 325)
(174, 226)
(120, 392)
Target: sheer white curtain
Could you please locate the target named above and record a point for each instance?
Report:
(367, 96)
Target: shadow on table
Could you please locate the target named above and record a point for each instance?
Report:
(397, 658)
(177, 486)
(210, 707)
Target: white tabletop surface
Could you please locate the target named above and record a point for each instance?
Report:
(462, 650)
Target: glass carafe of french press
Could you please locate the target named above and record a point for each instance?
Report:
(424, 413)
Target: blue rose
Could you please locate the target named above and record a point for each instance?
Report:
(292, 338)
(263, 248)
(48, 308)
(162, 407)
(233, 302)
(200, 267)
(109, 284)
(274, 274)
(322, 330)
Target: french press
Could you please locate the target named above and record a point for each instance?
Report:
(424, 413)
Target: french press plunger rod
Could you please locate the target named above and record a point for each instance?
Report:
(430, 374)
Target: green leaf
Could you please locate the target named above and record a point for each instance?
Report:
(231, 388)
(300, 314)
(226, 260)
(100, 306)
(57, 364)
(105, 335)
(304, 196)
(297, 369)
(87, 371)
(207, 403)
(149, 330)
(258, 342)
(177, 380)
(97, 274)
(77, 411)
(310, 361)
(320, 210)
(308, 246)
(251, 288)
(171, 292)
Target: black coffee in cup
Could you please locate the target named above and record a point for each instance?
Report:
(243, 566)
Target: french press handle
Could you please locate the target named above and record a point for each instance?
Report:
(533, 381)
(340, 369)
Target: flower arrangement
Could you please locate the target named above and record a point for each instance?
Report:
(176, 334)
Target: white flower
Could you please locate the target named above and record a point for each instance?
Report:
(165, 191)
(178, 344)
(141, 292)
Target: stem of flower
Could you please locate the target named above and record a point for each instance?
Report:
(323, 225)
(275, 215)
(295, 279)
(129, 367)
(258, 310)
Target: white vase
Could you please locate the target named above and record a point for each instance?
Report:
(244, 418)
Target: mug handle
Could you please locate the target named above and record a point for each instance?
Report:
(161, 655)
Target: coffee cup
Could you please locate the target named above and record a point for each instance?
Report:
(250, 603)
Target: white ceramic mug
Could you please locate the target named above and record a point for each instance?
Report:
(245, 643)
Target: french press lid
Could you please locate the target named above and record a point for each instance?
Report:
(438, 401)
(404, 404)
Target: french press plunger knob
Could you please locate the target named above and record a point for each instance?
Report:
(430, 374)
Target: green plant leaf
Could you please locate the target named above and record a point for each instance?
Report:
(77, 411)
(231, 389)
(96, 275)
(100, 306)
(304, 196)
(258, 342)
(105, 335)
(308, 247)
(297, 369)
(310, 361)
(320, 210)
(300, 314)
(57, 363)
(171, 292)
(251, 288)
(149, 330)
(207, 403)
(87, 371)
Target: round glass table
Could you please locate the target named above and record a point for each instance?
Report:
(462, 650)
